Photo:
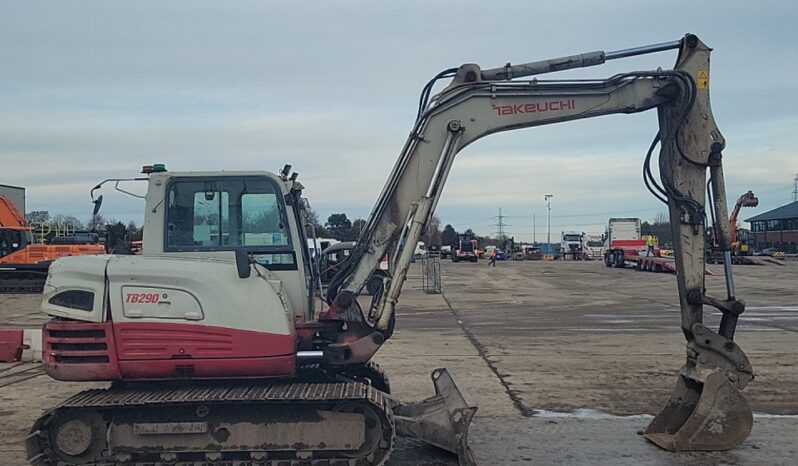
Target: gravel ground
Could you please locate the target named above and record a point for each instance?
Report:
(566, 360)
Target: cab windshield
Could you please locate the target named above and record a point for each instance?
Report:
(225, 213)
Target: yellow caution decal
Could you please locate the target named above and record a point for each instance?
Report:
(702, 80)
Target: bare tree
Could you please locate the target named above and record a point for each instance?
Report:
(433, 234)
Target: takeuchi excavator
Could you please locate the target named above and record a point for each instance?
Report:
(218, 351)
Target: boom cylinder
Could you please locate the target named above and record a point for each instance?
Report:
(645, 49)
(583, 60)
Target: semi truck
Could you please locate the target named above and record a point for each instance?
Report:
(622, 240)
(593, 246)
(571, 245)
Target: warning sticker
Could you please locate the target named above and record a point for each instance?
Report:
(702, 81)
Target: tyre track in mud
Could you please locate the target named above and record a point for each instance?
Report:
(10, 377)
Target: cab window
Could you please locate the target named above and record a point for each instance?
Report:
(226, 213)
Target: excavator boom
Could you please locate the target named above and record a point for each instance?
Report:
(10, 216)
(481, 102)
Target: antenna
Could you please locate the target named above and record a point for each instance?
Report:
(795, 189)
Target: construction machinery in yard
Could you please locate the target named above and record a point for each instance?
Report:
(218, 351)
(333, 256)
(464, 248)
(740, 238)
(24, 263)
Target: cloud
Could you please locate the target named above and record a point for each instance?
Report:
(96, 90)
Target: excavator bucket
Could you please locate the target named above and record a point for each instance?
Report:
(441, 420)
(710, 416)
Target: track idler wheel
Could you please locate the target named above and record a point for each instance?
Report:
(76, 438)
(702, 417)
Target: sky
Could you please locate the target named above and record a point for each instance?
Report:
(95, 89)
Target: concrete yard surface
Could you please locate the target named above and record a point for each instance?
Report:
(567, 362)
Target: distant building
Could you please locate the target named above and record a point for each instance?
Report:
(776, 229)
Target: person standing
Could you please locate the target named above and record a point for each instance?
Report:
(650, 244)
(492, 260)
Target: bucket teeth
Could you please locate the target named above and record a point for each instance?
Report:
(708, 416)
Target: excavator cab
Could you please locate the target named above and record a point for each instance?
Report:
(160, 307)
(12, 240)
(742, 247)
(215, 327)
(14, 235)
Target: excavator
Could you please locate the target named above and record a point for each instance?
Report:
(740, 246)
(738, 237)
(23, 263)
(218, 351)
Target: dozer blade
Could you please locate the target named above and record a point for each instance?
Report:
(710, 416)
(441, 420)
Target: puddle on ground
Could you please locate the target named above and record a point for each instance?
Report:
(589, 413)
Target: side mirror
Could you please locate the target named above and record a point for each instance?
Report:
(243, 264)
(97, 203)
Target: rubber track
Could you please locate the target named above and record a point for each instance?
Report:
(40, 452)
(17, 285)
(18, 281)
(372, 369)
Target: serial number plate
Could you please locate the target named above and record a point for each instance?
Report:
(155, 428)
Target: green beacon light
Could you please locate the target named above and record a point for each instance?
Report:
(154, 168)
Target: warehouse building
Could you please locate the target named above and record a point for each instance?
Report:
(776, 229)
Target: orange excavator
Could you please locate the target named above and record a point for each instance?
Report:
(740, 244)
(739, 237)
(23, 263)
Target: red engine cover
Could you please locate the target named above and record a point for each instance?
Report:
(76, 350)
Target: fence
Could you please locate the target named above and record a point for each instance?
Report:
(41, 234)
(431, 275)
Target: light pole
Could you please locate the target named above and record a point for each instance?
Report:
(547, 198)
